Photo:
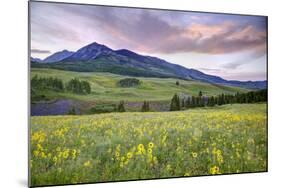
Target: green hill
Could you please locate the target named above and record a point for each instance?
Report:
(105, 87)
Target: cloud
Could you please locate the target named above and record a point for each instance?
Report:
(148, 31)
(38, 51)
(246, 76)
(211, 70)
(151, 34)
(212, 39)
(245, 58)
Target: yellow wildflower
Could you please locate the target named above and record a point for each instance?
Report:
(140, 147)
(74, 154)
(87, 164)
(194, 154)
(150, 145)
(215, 170)
(55, 159)
(36, 153)
(129, 155)
(66, 154)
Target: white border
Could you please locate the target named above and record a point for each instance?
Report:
(13, 83)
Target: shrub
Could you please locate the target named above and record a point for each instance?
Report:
(129, 82)
(103, 108)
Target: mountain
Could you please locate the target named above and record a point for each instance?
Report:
(58, 56)
(89, 52)
(100, 58)
(38, 60)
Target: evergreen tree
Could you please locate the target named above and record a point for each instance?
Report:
(175, 103)
(211, 101)
(72, 111)
(86, 87)
(121, 107)
(187, 103)
(78, 87)
(182, 103)
(193, 101)
(197, 103)
(145, 106)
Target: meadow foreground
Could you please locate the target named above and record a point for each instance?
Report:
(135, 145)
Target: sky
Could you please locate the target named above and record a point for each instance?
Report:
(233, 47)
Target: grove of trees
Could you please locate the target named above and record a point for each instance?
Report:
(74, 85)
(178, 103)
(78, 87)
(129, 82)
(46, 83)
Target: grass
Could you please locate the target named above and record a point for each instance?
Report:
(105, 88)
(134, 145)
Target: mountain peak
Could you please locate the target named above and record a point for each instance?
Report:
(126, 62)
(95, 45)
(90, 51)
(58, 56)
(34, 59)
(65, 51)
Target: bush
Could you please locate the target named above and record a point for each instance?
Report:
(129, 82)
(103, 108)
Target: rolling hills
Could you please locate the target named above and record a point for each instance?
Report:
(100, 58)
(105, 87)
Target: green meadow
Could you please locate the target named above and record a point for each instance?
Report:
(135, 145)
(104, 87)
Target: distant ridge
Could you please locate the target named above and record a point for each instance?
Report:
(97, 57)
(58, 56)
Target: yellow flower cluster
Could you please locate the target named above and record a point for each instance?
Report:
(215, 170)
(126, 145)
(218, 155)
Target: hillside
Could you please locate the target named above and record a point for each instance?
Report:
(105, 88)
(100, 58)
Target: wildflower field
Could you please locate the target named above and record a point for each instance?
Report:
(135, 145)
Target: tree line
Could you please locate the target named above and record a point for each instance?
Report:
(74, 85)
(178, 103)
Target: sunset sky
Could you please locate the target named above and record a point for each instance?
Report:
(230, 46)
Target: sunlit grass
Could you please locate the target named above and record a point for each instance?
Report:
(105, 88)
(124, 146)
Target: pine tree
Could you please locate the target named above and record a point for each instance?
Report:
(211, 101)
(121, 107)
(187, 103)
(182, 103)
(72, 111)
(193, 101)
(145, 106)
(175, 103)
